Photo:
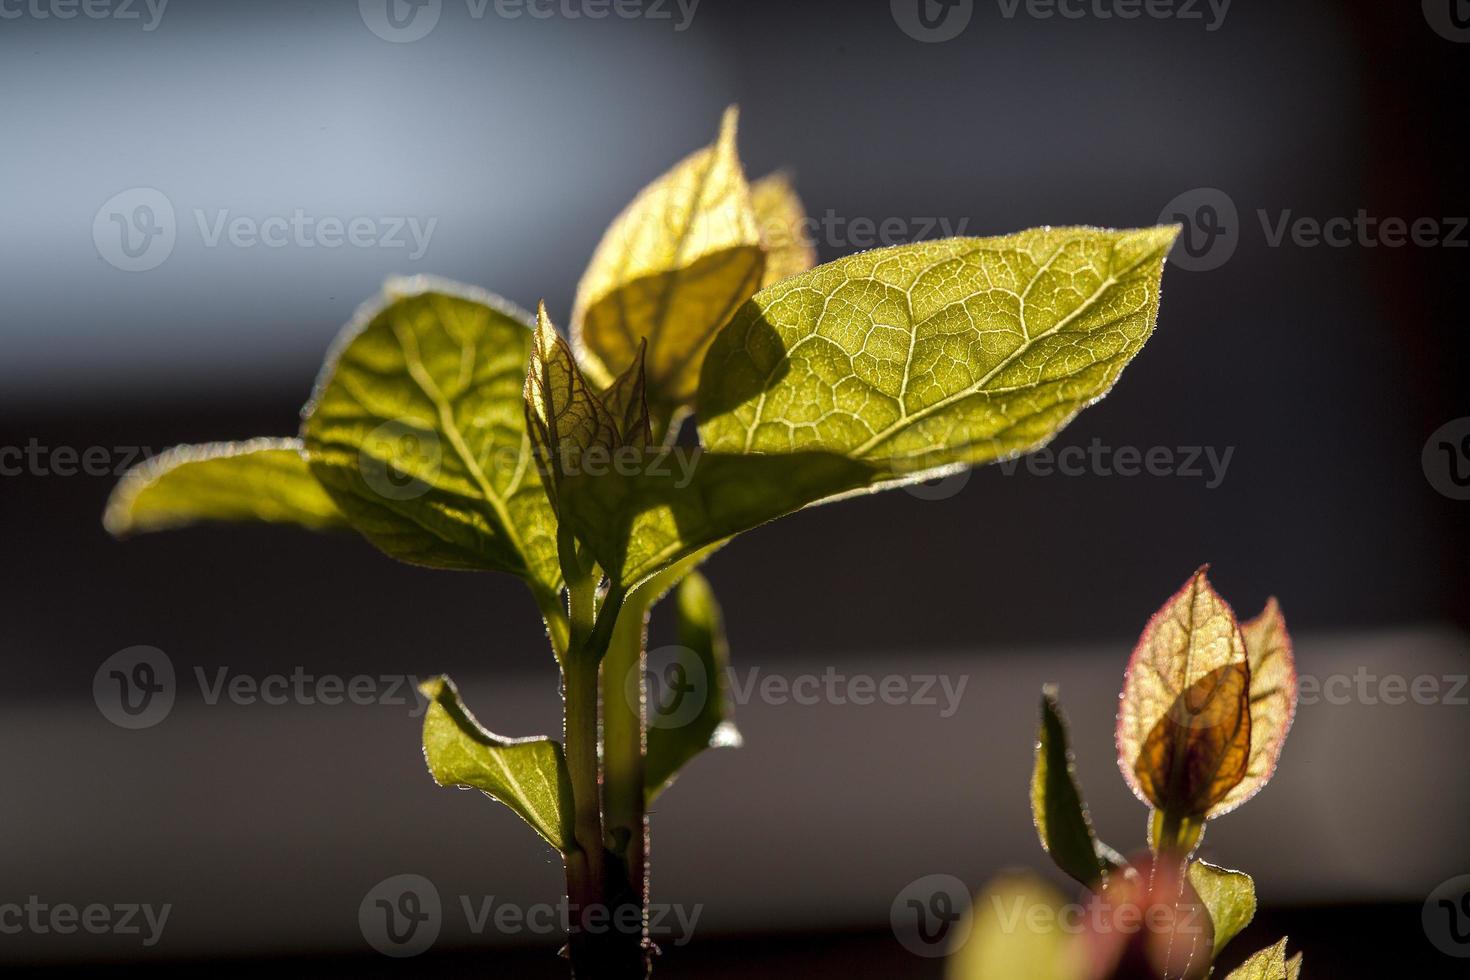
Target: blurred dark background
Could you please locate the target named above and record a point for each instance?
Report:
(1323, 370)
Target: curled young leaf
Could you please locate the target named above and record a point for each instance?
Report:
(1273, 697)
(1057, 809)
(566, 420)
(255, 480)
(670, 270)
(626, 400)
(1269, 964)
(529, 775)
(417, 430)
(1230, 897)
(783, 228)
(1183, 732)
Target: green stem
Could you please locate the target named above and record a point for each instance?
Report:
(624, 737)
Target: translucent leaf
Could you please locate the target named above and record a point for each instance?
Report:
(670, 270)
(417, 429)
(1057, 809)
(565, 418)
(1230, 897)
(1017, 933)
(626, 400)
(529, 775)
(947, 367)
(701, 630)
(257, 480)
(1269, 964)
(1183, 721)
(1273, 697)
(783, 227)
(926, 357)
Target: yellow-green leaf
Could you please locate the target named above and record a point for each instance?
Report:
(1017, 933)
(1057, 809)
(670, 270)
(783, 227)
(564, 417)
(417, 429)
(1229, 896)
(1273, 696)
(256, 480)
(1269, 964)
(701, 631)
(922, 358)
(529, 775)
(1183, 720)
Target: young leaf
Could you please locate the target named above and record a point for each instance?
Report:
(1183, 732)
(564, 417)
(1057, 809)
(626, 400)
(1230, 897)
(701, 630)
(529, 775)
(1273, 696)
(926, 357)
(1269, 964)
(947, 367)
(256, 480)
(783, 227)
(670, 270)
(417, 430)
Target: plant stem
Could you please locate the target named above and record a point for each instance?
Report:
(624, 735)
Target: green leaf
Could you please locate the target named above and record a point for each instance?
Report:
(1269, 964)
(880, 369)
(683, 501)
(700, 630)
(1230, 897)
(417, 429)
(670, 270)
(1015, 932)
(256, 480)
(1057, 809)
(783, 225)
(529, 775)
(927, 357)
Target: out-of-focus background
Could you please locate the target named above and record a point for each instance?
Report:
(197, 195)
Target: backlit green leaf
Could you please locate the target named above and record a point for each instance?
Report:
(925, 357)
(257, 480)
(417, 430)
(701, 631)
(670, 270)
(1230, 897)
(1269, 964)
(529, 775)
(1057, 809)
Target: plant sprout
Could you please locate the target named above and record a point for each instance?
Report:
(453, 430)
(1204, 713)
